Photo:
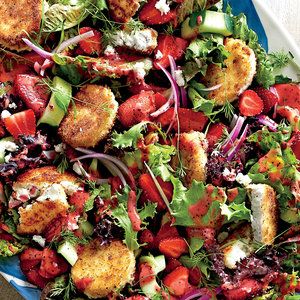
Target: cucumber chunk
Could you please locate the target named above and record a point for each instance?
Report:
(3, 143)
(68, 251)
(207, 21)
(58, 104)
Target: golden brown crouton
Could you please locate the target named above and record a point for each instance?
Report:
(109, 268)
(264, 208)
(95, 114)
(236, 77)
(193, 147)
(18, 18)
(123, 10)
(35, 217)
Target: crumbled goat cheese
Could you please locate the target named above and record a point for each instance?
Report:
(243, 179)
(40, 240)
(109, 50)
(12, 105)
(139, 40)
(54, 192)
(59, 148)
(70, 187)
(139, 69)
(8, 146)
(179, 78)
(229, 175)
(162, 6)
(159, 55)
(22, 194)
(7, 158)
(5, 114)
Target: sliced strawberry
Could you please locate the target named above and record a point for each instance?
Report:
(246, 289)
(166, 231)
(267, 97)
(137, 108)
(294, 143)
(150, 15)
(215, 132)
(27, 265)
(32, 91)
(177, 281)
(55, 227)
(10, 73)
(78, 199)
(147, 237)
(137, 297)
(52, 265)
(151, 193)
(31, 254)
(188, 119)
(160, 100)
(35, 278)
(172, 264)
(250, 104)
(146, 274)
(21, 123)
(173, 247)
(83, 283)
(289, 94)
(169, 45)
(195, 276)
(92, 45)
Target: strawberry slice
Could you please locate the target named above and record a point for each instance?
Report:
(188, 119)
(137, 297)
(146, 275)
(151, 193)
(31, 254)
(195, 276)
(173, 247)
(150, 15)
(268, 98)
(166, 231)
(32, 91)
(172, 264)
(137, 109)
(35, 278)
(78, 199)
(250, 104)
(147, 237)
(294, 143)
(92, 45)
(52, 265)
(21, 123)
(168, 45)
(177, 281)
(289, 94)
(215, 132)
(55, 227)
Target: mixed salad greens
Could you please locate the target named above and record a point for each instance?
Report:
(150, 150)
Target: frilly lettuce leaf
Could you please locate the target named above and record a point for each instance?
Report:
(235, 212)
(10, 248)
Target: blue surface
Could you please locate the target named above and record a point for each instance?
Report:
(247, 7)
(11, 266)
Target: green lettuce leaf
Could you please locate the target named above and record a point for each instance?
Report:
(235, 212)
(10, 248)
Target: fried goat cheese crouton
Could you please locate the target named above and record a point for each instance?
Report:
(123, 10)
(236, 77)
(107, 267)
(237, 246)
(193, 153)
(264, 208)
(93, 118)
(48, 189)
(19, 18)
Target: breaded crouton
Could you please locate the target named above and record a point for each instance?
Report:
(236, 77)
(95, 114)
(108, 267)
(237, 246)
(264, 208)
(17, 19)
(123, 10)
(35, 217)
(193, 147)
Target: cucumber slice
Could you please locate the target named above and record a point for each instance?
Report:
(87, 228)
(58, 104)
(207, 21)
(3, 148)
(68, 251)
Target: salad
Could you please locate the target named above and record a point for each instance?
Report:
(149, 150)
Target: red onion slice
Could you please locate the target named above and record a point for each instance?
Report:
(123, 168)
(173, 69)
(196, 293)
(74, 40)
(184, 99)
(38, 50)
(237, 147)
(233, 121)
(163, 108)
(265, 120)
(233, 134)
